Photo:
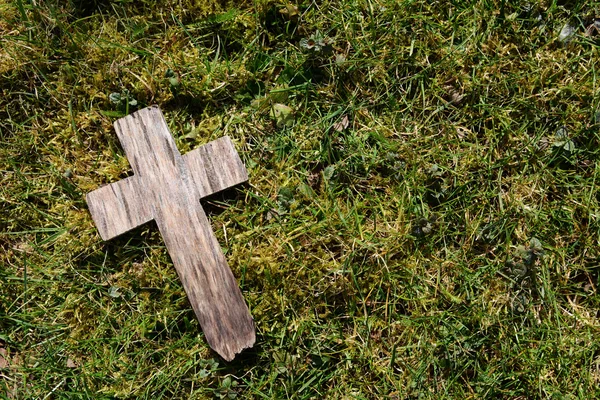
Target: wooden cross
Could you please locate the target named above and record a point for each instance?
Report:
(167, 187)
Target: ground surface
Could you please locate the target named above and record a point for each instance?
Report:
(422, 218)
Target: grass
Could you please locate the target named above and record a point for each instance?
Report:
(421, 221)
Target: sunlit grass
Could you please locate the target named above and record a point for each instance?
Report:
(421, 219)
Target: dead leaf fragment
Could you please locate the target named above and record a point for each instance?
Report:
(455, 97)
(290, 10)
(342, 124)
(3, 359)
(282, 114)
(71, 363)
(567, 32)
(593, 29)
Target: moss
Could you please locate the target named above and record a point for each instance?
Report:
(382, 239)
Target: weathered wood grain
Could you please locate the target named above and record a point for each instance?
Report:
(118, 208)
(167, 187)
(215, 166)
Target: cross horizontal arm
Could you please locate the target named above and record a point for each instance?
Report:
(118, 207)
(215, 166)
